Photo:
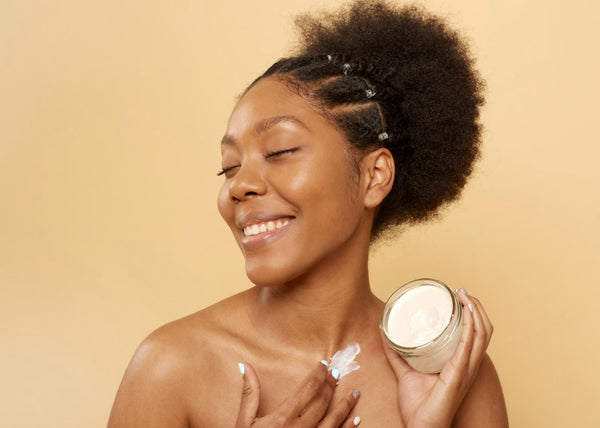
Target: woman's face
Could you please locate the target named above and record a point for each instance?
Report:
(290, 195)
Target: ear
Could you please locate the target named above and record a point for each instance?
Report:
(377, 168)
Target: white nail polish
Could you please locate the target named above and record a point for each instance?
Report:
(356, 421)
(242, 368)
(335, 373)
(470, 307)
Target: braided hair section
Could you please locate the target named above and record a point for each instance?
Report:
(348, 99)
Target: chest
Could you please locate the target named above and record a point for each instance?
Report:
(378, 403)
(377, 406)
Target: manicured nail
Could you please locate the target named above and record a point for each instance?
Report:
(335, 373)
(242, 368)
(356, 421)
(464, 291)
(324, 363)
(470, 307)
(356, 394)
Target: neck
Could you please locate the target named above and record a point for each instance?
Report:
(323, 311)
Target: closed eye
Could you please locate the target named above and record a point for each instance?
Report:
(226, 170)
(269, 155)
(281, 152)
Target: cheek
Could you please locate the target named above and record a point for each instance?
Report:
(326, 190)
(224, 204)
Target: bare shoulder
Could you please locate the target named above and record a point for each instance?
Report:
(176, 369)
(484, 403)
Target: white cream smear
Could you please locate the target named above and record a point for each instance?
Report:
(267, 226)
(419, 316)
(344, 360)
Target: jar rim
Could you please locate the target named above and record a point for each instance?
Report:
(447, 331)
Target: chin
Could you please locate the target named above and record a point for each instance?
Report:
(268, 275)
(264, 277)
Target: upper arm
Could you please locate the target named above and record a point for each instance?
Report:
(483, 405)
(151, 392)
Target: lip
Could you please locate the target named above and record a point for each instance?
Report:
(254, 242)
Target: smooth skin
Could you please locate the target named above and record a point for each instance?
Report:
(284, 161)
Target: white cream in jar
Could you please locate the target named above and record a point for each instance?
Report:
(422, 321)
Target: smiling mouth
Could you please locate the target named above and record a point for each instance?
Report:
(266, 226)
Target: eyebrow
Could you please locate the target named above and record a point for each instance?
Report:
(266, 124)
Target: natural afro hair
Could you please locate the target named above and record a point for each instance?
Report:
(400, 78)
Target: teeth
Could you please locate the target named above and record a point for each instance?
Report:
(269, 226)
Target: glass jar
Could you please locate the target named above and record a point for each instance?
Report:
(422, 321)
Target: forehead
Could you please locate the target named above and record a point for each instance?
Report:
(270, 99)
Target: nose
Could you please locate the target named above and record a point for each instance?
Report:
(247, 182)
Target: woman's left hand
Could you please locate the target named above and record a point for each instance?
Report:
(431, 400)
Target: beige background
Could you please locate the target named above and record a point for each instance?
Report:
(110, 118)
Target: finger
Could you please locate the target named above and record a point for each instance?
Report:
(396, 362)
(467, 300)
(479, 340)
(317, 407)
(250, 396)
(480, 333)
(317, 386)
(484, 316)
(482, 337)
(351, 422)
(340, 411)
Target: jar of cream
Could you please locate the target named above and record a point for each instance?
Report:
(422, 321)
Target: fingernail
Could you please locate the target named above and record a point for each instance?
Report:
(242, 368)
(470, 307)
(324, 363)
(356, 421)
(356, 394)
(464, 291)
(335, 373)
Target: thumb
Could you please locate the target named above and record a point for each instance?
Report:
(250, 397)
(397, 363)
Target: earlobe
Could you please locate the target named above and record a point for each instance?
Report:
(379, 172)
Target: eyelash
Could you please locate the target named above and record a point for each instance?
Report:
(269, 155)
(281, 152)
(225, 170)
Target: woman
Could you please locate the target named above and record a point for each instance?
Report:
(371, 125)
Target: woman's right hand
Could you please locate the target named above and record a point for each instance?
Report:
(308, 406)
